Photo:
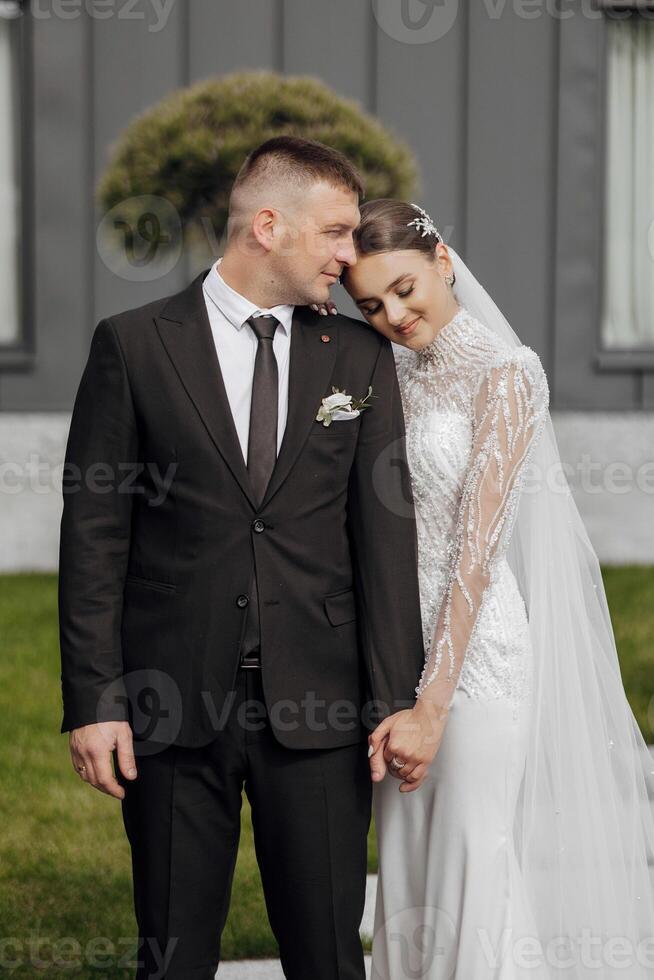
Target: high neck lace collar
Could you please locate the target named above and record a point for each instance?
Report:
(434, 352)
(464, 343)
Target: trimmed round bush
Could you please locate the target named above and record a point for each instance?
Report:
(189, 147)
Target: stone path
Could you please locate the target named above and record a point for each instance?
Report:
(258, 970)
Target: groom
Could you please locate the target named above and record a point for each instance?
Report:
(238, 589)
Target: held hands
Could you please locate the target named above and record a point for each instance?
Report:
(90, 750)
(413, 737)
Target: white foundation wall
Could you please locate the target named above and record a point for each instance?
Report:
(609, 459)
(32, 448)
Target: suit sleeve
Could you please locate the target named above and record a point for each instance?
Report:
(381, 522)
(95, 536)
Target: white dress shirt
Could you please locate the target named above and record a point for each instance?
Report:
(236, 346)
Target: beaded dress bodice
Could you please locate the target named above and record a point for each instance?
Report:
(474, 407)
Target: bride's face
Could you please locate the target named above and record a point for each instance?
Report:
(403, 294)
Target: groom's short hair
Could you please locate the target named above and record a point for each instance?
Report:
(292, 161)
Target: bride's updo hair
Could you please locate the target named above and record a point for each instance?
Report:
(389, 225)
(386, 227)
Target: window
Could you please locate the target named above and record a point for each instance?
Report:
(628, 307)
(10, 196)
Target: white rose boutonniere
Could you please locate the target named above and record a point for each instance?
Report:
(341, 407)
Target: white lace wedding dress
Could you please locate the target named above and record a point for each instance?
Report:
(449, 899)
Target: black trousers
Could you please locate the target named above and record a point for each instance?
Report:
(310, 814)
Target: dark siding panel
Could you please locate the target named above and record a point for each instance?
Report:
(510, 167)
(648, 392)
(421, 95)
(226, 36)
(134, 66)
(63, 261)
(332, 42)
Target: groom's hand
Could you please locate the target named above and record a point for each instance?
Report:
(377, 760)
(90, 750)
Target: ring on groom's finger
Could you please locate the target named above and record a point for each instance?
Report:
(397, 764)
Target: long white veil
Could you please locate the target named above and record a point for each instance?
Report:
(584, 828)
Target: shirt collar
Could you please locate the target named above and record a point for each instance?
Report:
(236, 308)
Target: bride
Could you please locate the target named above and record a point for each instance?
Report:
(519, 840)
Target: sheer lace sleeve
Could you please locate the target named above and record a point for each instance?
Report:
(508, 411)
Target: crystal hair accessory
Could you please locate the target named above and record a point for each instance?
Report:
(425, 224)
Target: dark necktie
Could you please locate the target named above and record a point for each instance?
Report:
(262, 440)
(262, 454)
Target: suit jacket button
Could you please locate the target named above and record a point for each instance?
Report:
(259, 526)
(242, 601)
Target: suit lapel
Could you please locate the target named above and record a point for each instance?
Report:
(185, 332)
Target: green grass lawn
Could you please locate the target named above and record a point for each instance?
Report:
(65, 884)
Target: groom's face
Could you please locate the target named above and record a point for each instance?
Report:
(316, 242)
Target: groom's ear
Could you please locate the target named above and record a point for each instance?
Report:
(267, 227)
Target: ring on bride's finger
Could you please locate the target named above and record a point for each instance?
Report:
(81, 769)
(397, 764)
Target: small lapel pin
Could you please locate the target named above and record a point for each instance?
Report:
(325, 338)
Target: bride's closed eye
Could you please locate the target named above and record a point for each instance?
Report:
(375, 311)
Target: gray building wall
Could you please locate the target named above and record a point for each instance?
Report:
(504, 112)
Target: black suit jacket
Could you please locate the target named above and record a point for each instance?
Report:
(160, 537)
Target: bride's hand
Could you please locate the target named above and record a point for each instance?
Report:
(325, 308)
(412, 736)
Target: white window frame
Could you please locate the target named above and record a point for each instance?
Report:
(611, 354)
(16, 332)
